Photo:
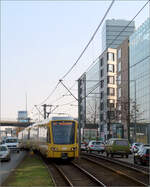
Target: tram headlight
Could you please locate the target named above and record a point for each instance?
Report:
(73, 148)
(53, 148)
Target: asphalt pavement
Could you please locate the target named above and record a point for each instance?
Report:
(130, 159)
(6, 167)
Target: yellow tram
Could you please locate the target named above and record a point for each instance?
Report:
(53, 138)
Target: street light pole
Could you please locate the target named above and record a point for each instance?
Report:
(134, 110)
(79, 117)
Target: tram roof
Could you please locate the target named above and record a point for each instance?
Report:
(54, 118)
(61, 118)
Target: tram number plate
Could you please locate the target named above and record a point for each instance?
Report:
(64, 155)
(64, 148)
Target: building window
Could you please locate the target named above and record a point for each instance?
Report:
(102, 95)
(102, 83)
(101, 61)
(119, 79)
(110, 103)
(119, 92)
(110, 56)
(102, 106)
(119, 66)
(119, 107)
(111, 91)
(110, 68)
(102, 72)
(119, 53)
(110, 80)
(102, 128)
(110, 114)
(101, 117)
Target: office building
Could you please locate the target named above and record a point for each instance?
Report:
(123, 101)
(140, 82)
(114, 32)
(101, 92)
(108, 94)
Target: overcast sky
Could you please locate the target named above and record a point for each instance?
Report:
(40, 41)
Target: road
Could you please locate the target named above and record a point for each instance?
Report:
(7, 167)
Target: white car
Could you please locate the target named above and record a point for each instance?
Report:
(12, 143)
(83, 147)
(142, 146)
(135, 147)
(96, 146)
(4, 153)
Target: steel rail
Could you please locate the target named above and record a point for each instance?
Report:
(63, 175)
(116, 171)
(89, 175)
(121, 163)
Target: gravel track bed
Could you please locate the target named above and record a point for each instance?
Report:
(133, 173)
(108, 177)
(77, 177)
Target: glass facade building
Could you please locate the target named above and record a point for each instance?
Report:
(140, 79)
(92, 92)
(112, 28)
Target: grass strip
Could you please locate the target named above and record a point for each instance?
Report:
(31, 172)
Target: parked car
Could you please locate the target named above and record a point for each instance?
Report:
(117, 146)
(4, 153)
(83, 147)
(142, 156)
(142, 146)
(12, 143)
(95, 146)
(135, 147)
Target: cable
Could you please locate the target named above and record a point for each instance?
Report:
(64, 94)
(49, 94)
(119, 35)
(81, 53)
(116, 38)
(128, 23)
(68, 103)
(89, 41)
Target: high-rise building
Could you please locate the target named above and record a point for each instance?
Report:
(107, 90)
(140, 82)
(99, 86)
(123, 101)
(114, 32)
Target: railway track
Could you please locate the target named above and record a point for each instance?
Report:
(129, 172)
(92, 172)
(109, 175)
(138, 168)
(71, 174)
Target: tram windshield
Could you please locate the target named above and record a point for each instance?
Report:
(63, 132)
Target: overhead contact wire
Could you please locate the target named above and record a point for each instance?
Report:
(49, 94)
(89, 41)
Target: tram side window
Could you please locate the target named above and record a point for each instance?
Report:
(48, 135)
(28, 134)
(43, 134)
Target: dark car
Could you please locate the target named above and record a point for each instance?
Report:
(142, 156)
